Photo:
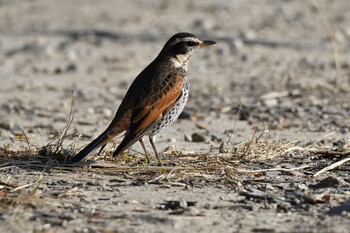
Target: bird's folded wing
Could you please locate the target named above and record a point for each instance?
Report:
(152, 108)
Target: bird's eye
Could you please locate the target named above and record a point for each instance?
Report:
(191, 43)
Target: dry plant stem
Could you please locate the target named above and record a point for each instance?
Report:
(320, 138)
(262, 134)
(328, 153)
(27, 185)
(286, 151)
(274, 169)
(335, 51)
(249, 144)
(332, 166)
(64, 131)
(27, 141)
(308, 148)
(237, 117)
(39, 181)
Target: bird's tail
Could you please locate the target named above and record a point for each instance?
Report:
(127, 141)
(99, 141)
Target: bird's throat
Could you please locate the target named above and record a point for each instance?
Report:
(180, 61)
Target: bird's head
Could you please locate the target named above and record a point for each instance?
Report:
(181, 46)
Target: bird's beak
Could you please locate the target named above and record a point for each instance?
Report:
(207, 43)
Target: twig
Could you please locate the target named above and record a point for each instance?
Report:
(287, 150)
(237, 118)
(322, 137)
(274, 169)
(27, 140)
(308, 148)
(332, 166)
(249, 143)
(64, 131)
(62, 135)
(26, 185)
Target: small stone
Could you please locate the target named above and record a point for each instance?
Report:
(182, 203)
(131, 201)
(6, 125)
(58, 70)
(172, 140)
(91, 110)
(186, 114)
(249, 34)
(331, 181)
(71, 68)
(301, 187)
(237, 43)
(244, 113)
(270, 102)
(188, 138)
(107, 112)
(197, 137)
(339, 36)
(113, 90)
(193, 211)
(72, 55)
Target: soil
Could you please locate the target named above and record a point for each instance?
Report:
(277, 83)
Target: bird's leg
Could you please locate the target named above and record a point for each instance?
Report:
(151, 139)
(144, 150)
(102, 147)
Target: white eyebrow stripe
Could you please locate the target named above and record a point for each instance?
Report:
(185, 39)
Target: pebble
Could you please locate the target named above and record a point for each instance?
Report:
(91, 110)
(6, 124)
(188, 138)
(198, 137)
(182, 203)
(113, 90)
(237, 43)
(172, 140)
(131, 201)
(249, 34)
(270, 103)
(186, 114)
(71, 67)
(107, 112)
(331, 181)
(340, 37)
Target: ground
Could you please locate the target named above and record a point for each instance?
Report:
(268, 114)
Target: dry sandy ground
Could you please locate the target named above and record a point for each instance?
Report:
(273, 57)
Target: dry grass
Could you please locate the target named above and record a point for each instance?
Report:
(240, 158)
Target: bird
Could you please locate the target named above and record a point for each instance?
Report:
(154, 100)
